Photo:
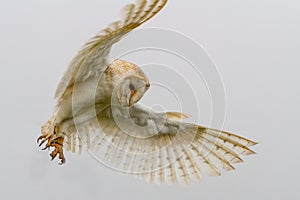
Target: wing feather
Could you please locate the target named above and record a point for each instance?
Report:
(92, 60)
(234, 144)
(219, 158)
(196, 172)
(166, 157)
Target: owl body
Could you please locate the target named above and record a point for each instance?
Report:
(95, 93)
(97, 109)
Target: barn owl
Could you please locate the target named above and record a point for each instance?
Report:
(97, 108)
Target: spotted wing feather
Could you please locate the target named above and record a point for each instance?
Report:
(179, 153)
(93, 59)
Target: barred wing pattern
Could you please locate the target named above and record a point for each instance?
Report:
(179, 152)
(93, 59)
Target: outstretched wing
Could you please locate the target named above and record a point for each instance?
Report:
(92, 60)
(159, 149)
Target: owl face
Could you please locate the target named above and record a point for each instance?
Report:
(131, 90)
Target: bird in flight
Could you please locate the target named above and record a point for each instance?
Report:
(97, 109)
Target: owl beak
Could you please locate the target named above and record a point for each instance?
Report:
(148, 86)
(133, 93)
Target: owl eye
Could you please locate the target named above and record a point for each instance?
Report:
(131, 87)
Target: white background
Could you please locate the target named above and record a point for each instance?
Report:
(255, 45)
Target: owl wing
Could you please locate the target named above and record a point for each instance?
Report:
(92, 60)
(157, 148)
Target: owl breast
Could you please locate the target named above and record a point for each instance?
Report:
(95, 90)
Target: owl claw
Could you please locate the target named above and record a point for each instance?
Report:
(43, 138)
(57, 143)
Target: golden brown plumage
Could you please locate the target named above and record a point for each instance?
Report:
(96, 109)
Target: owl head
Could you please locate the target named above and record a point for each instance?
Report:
(130, 82)
(131, 90)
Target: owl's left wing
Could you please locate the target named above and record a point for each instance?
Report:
(92, 60)
(158, 148)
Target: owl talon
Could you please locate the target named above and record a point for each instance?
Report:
(46, 147)
(43, 138)
(57, 143)
(58, 150)
(53, 154)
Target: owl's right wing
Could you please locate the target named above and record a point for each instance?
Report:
(92, 60)
(158, 148)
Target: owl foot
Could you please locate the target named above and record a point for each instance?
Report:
(53, 141)
(58, 149)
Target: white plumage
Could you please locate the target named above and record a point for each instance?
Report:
(96, 108)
